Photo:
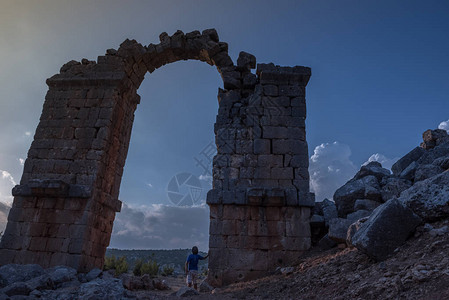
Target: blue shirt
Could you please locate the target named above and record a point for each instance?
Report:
(193, 261)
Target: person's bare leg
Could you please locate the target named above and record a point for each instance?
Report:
(195, 286)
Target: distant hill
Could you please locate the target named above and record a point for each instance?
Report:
(176, 257)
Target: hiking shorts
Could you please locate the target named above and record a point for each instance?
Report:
(192, 277)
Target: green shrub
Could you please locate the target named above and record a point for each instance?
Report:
(151, 268)
(109, 263)
(138, 267)
(121, 266)
(167, 270)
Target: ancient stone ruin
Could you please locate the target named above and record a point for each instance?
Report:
(65, 205)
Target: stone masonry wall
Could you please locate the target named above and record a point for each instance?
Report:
(65, 205)
(260, 198)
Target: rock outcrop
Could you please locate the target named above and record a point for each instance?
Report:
(363, 188)
(418, 188)
(429, 198)
(324, 213)
(417, 191)
(388, 227)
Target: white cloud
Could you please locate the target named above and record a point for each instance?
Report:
(385, 161)
(149, 185)
(7, 182)
(330, 167)
(21, 161)
(4, 210)
(444, 125)
(7, 176)
(205, 177)
(161, 227)
(28, 133)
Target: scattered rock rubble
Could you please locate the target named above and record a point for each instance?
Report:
(419, 269)
(61, 282)
(376, 211)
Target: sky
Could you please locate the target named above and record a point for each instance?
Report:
(379, 79)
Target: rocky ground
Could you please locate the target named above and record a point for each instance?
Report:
(417, 270)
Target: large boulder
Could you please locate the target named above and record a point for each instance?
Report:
(317, 228)
(318, 208)
(363, 188)
(160, 285)
(131, 282)
(186, 291)
(98, 289)
(329, 211)
(317, 220)
(42, 282)
(358, 215)
(365, 204)
(372, 168)
(326, 243)
(62, 274)
(16, 273)
(442, 162)
(393, 187)
(426, 171)
(432, 138)
(406, 160)
(205, 287)
(16, 289)
(338, 229)
(388, 227)
(429, 198)
(353, 228)
(409, 172)
(429, 156)
(94, 273)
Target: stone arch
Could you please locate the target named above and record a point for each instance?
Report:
(65, 205)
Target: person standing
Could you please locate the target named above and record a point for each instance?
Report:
(191, 267)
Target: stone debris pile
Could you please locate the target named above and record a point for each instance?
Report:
(61, 282)
(376, 211)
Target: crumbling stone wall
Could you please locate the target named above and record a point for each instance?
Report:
(65, 205)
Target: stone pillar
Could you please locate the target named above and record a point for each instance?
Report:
(59, 215)
(260, 201)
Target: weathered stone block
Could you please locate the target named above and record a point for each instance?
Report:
(262, 146)
(262, 173)
(292, 90)
(272, 213)
(270, 90)
(234, 212)
(282, 173)
(297, 229)
(214, 196)
(296, 243)
(274, 197)
(271, 132)
(289, 146)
